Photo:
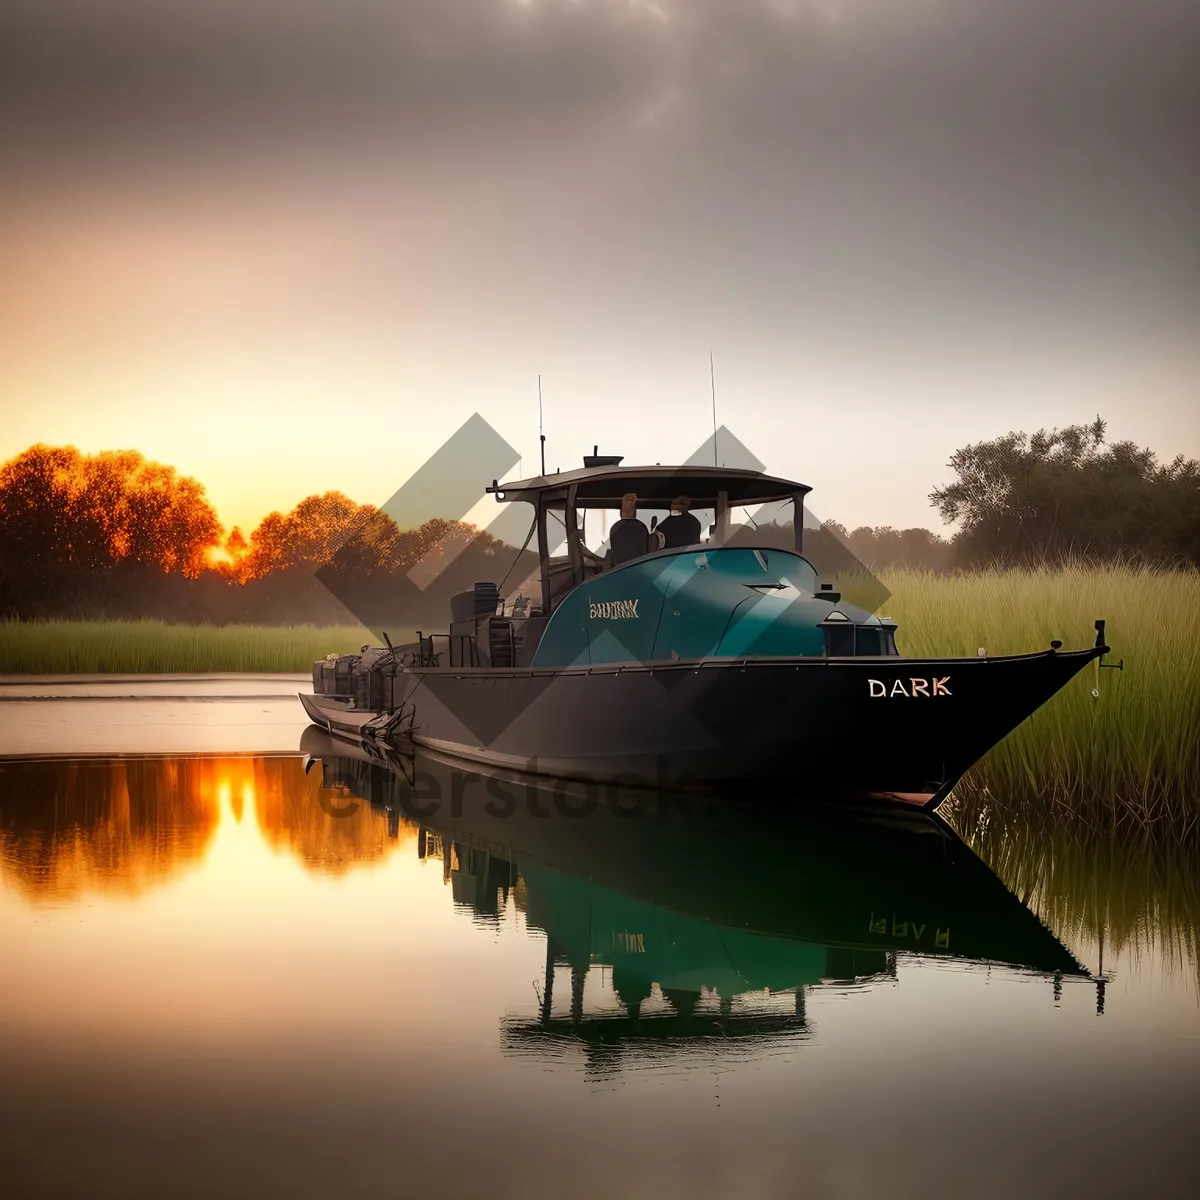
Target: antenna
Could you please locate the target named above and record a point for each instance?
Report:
(712, 378)
(541, 431)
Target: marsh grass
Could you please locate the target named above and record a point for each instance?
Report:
(1131, 753)
(154, 647)
(1131, 889)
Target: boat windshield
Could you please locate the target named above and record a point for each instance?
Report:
(575, 544)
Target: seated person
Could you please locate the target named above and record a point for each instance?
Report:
(628, 538)
(680, 528)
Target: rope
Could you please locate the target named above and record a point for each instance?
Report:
(524, 545)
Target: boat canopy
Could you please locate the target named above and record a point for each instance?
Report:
(602, 482)
(603, 487)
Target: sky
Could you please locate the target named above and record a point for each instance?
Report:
(289, 246)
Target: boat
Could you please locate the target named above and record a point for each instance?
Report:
(685, 667)
(703, 902)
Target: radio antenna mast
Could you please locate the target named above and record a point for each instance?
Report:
(541, 430)
(712, 378)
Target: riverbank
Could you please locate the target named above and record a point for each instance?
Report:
(114, 716)
(161, 647)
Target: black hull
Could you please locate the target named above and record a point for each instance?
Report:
(902, 729)
(801, 722)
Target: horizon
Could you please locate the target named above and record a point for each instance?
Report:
(247, 515)
(480, 516)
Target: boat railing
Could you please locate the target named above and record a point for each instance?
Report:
(427, 655)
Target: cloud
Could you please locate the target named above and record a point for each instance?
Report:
(168, 73)
(849, 170)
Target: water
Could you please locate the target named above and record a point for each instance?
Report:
(155, 714)
(227, 975)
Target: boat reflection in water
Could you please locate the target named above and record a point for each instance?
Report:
(709, 919)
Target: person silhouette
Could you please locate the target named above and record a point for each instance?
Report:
(629, 538)
(681, 528)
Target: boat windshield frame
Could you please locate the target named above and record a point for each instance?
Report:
(721, 489)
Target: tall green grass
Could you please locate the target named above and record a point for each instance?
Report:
(153, 647)
(1132, 752)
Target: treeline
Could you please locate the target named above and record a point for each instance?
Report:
(1047, 498)
(882, 546)
(114, 535)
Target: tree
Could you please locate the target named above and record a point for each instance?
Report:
(333, 533)
(1048, 496)
(92, 513)
(307, 537)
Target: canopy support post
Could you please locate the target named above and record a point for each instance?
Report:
(543, 553)
(574, 552)
(722, 532)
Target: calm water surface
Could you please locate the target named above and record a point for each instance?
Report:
(225, 975)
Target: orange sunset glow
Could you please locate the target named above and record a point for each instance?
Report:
(96, 511)
(128, 827)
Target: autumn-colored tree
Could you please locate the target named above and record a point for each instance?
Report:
(311, 535)
(333, 532)
(115, 535)
(94, 512)
(236, 545)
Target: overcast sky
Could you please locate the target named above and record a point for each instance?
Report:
(289, 246)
